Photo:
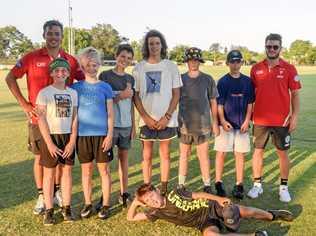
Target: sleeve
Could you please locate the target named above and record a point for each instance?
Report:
(253, 76)
(135, 74)
(251, 93)
(108, 92)
(103, 76)
(21, 67)
(132, 81)
(152, 215)
(212, 90)
(41, 98)
(294, 79)
(75, 98)
(221, 92)
(176, 76)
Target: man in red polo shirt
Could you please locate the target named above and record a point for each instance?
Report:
(275, 112)
(35, 66)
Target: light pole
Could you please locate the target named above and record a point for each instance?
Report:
(70, 34)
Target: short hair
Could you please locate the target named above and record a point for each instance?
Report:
(143, 189)
(124, 47)
(51, 23)
(89, 53)
(272, 36)
(164, 47)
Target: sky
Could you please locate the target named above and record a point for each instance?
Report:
(190, 22)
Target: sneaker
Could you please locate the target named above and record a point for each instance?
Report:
(66, 212)
(220, 191)
(86, 211)
(284, 193)
(125, 199)
(104, 212)
(49, 217)
(99, 204)
(282, 215)
(39, 206)
(261, 233)
(255, 191)
(238, 191)
(207, 189)
(58, 198)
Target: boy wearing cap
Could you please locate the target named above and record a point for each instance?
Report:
(197, 102)
(203, 211)
(57, 112)
(236, 96)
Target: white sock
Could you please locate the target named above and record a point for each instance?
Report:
(207, 182)
(181, 179)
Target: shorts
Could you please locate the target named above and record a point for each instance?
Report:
(190, 139)
(90, 147)
(147, 134)
(60, 140)
(281, 137)
(122, 137)
(34, 139)
(232, 141)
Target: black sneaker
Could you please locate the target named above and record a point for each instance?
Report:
(49, 217)
(207, 189)
(99, 204)
(163, 189)
(125, 199)
(104, 212)
(261, 233)
(220, 191)
(238, 191)
(282, 215)
(86, 211)
(66, 212)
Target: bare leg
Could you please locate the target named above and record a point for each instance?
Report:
(185, 152)
(66, 184)
(257, 162)
(147, 160)
(104, 170)
(219, 165)
(284, 163)
(164, 160)
(205, 166)
(58, 174)
(48, 186)
(214, 231)
(239, 160)
(123, 169)
(86, 179)
(38, 172)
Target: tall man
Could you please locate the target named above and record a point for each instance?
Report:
(275, 112)
(157, 85)
(35, 66)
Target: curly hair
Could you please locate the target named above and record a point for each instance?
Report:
(164, 47)
(143, 189)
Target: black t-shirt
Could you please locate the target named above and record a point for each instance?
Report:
(182, 210)
(117, 82)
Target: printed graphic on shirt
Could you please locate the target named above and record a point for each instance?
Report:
(153, 81)
(186, 205)
(63, 105)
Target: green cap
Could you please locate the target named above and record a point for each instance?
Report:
(59, 62)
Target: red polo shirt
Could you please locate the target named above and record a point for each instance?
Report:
(272, 88)
(35, 66)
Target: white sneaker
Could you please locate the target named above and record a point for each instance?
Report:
(58, 198)
(255, 191)
(39, 206)
(284, 193)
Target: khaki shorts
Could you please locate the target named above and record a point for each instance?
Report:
(34, 139)
(232, 141)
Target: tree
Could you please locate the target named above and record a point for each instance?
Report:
(177, 53)
(83, 38)
(311, 56)
(299, 49)
(14, 43)
(249, 56)
(106, 39)
(137, 47)
(215, 50)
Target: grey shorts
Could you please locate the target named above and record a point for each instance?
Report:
(190, 139)
(122, 137)
(147, 134)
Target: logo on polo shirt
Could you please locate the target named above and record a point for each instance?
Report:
(41, 64)
(259, 72)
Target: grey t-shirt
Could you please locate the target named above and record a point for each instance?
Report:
(194, 106)
(122, 109)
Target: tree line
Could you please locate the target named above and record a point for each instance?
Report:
(104, 37)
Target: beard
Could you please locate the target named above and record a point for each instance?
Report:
(276, 56)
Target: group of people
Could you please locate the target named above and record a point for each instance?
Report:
(72, 108)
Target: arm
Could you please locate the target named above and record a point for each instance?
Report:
(201, 195)
(295, 103)
(107, 142)
(150, 122)
(126, 93)
(133, 215)
(245, 126)
(163, 122)
(214, 114)
(74, 130)
(133, 132)
(226, 125)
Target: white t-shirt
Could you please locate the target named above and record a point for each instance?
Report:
(59, 108)
(155, 82)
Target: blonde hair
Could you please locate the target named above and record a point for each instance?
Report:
(87, 54)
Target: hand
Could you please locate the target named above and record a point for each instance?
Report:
(126, 93)
(107, 143)
(133, 133)
(54, 150)
(226, 126)
(162, 123)
(223, 201)
(150, 122)
(244, 127)
(68, 150)
(292, 123)
(29, 111)
(215, 129)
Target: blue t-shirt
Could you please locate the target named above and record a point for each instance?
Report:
(92, 109)
(235, 94)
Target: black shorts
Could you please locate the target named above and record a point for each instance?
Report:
(190, 139)
(90, 147)
(147, 134)
(281, 137)
(60, 140)
(122, 137)
(34, 139)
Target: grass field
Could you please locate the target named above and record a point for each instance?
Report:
(17, 190)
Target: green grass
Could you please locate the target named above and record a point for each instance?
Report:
(17, 190)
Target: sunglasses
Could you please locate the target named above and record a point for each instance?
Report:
(274, 47)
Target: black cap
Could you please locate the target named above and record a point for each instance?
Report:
(193, 54)
(234, 55)
(231, 217)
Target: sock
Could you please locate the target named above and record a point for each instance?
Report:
(258, 180)
(56, 187)
(181, 179)
(40, 191)
(284, 181)
(207, 182)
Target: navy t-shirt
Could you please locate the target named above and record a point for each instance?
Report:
(235, 94)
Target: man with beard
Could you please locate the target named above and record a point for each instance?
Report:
(35, 66)
(275, 112)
